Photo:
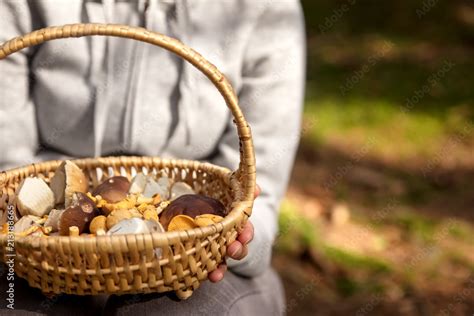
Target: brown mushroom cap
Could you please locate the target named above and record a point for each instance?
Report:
(85, 202)
(67, 180)
(191, 205)
(80, 214)
(113, 189)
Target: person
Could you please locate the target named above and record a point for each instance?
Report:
(101, 96)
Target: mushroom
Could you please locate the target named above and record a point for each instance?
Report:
(147, 186)
(98, 223)
(180, 188)
(74, 231)
(138, 184)
(207, 219)
(53, 219)
(135, 213)
(150, 214)
(113, 189)
(67, 180)
(191, 205)
(160, 187)
(35, 197)
(25, 223)
(181, 222)
(79, 214)
(154, 226)
(108, 208)
(116, 216)
(129, 226)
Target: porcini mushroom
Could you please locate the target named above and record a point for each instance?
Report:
(191, 205)
(25, 223)
(129, 226)
(79, 214)
(160, 187)
(53, 219)
(67, 180)
(179, 189)
(113, 189)
(116, 216)
(137, 186)
(35, 197)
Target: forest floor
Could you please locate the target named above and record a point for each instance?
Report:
(379, 216)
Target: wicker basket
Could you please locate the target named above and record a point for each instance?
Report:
(122, 264)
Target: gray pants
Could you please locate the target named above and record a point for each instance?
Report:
(234, 295)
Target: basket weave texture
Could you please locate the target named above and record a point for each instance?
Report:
(124, 264)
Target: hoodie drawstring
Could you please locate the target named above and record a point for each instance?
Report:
(186, 106)
(102, 104)
(105, 79)
(137, 68)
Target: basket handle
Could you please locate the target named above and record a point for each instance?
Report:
(246, 170)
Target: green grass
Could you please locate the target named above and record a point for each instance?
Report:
(374, 127)
(462, 231)
(295, 232)
(417, 226)
(355, 261)
(376, 107)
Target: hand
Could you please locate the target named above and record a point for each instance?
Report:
(236, 250)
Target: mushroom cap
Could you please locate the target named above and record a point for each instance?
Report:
(179, 189)
(85, 202)
(67, 180)
(161, 187)
(154, 227)
(181, 222)
(117, 216)
(53, 219)
(79, 214)
(25, 223)
(129, 226)
(113, 189)
(191, 205)
(138, 184)
(98, 223)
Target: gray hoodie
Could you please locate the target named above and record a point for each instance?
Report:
(103, 96)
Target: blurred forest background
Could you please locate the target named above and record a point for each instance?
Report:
(379, 218)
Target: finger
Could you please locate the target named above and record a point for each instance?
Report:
(218, 274)
(235, 249)
(243, 253)
(246, 235)
(257, 191)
